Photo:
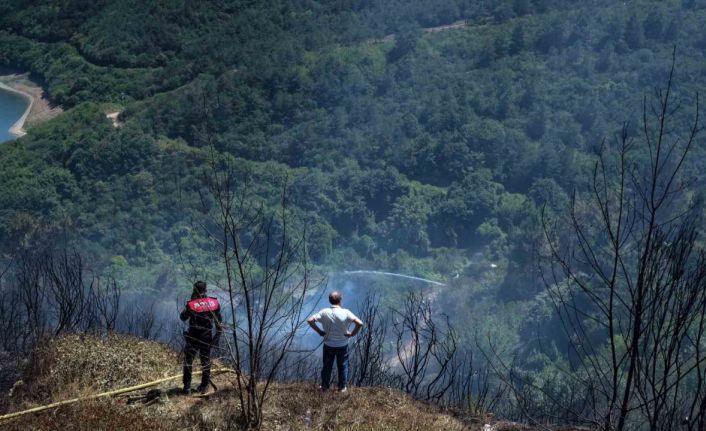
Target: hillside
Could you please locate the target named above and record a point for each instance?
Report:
(78, 365)
(400, 152)
(444, 150)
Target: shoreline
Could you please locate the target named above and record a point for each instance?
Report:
(17, 129)
(39, 109)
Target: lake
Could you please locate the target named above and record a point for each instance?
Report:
(12, 106)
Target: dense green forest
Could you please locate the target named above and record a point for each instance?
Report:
(403, 149)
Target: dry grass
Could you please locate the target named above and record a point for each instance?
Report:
(300, 407)
(89, 416)
(296, 407)
(76, 365)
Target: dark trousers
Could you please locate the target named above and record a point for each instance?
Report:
(340, 354)
(203, 349)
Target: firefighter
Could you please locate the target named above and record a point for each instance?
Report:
(204, 315)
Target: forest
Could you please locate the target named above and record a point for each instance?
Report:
(456, 155)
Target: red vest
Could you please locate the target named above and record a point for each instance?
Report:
(203, 305)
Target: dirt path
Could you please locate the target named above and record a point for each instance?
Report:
(453, 26)
(113, 117)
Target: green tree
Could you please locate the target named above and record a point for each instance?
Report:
(406, 226)
(654, 25)
(634, 34)
(517, 40)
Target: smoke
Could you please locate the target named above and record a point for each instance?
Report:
(164, 305)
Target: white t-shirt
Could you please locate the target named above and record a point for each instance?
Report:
(335, 321)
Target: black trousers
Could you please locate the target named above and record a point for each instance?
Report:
(340, 354)
(193, 347)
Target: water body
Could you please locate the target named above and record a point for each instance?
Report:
(12, 107)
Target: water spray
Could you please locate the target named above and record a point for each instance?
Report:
(393, 274)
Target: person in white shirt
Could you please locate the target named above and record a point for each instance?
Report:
(335, 322)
